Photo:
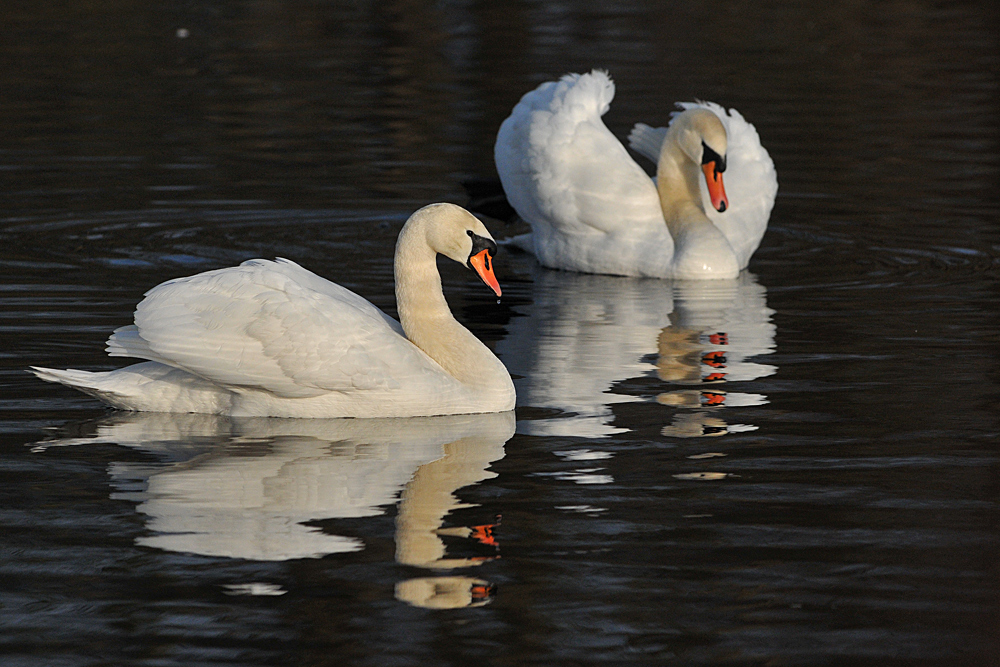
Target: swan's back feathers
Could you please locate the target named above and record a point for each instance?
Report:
(269, 325)
(750, 178)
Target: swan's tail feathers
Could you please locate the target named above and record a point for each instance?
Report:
(69, 377)
(148, 387)
(94, 384)
(647, 141)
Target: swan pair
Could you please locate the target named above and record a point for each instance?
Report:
(269, 338)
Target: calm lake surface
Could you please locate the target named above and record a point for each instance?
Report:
(798, 467)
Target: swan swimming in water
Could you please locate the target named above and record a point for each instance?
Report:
(271, 339)
(593, 209)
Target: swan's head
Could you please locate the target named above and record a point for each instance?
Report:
(459, 235)
(702, 137)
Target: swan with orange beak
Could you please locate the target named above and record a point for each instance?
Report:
(272, 339)
(593, 209)
(696, 138)
(481, 259)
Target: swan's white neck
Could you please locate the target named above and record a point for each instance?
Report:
(427, 319)
(677, 182)
(700, 249)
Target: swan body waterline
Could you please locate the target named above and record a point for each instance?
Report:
(270, 338)
(593, 209)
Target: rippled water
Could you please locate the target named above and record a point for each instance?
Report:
(796, 467)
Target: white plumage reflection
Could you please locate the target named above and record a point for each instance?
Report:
(249, 487)
(583, 335)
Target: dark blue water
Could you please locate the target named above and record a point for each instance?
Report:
(795, 468)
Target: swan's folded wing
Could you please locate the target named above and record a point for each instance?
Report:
(751, 184)
(269, 325)
(561, 166)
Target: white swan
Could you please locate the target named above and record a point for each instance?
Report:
(593, 209)
(269, 338)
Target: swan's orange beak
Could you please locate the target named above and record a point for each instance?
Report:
(482, 264)
(716, 191)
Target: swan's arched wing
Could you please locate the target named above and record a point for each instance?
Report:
(647, 141)
(561, 167)
(273, 326)
(750, 179)
(751, 184)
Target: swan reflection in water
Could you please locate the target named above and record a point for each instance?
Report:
(715, 328)
(245, 487)
(583, 334)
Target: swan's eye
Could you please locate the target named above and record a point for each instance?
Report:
(469, 232)
(479, 244)
(708, 155)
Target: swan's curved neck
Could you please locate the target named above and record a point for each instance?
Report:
(425, 315)
(678, 186)
(700, 248)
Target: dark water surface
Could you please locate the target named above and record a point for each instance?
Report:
(795, 468)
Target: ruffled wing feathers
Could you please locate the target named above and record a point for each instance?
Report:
(562, 168)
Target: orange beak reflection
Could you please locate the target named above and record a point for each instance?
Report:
(716, 191)
(482, 264)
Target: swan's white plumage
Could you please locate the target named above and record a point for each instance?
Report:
(269, 338)
(573, 181)
(271, 326)
(751, 180)
(592, 208)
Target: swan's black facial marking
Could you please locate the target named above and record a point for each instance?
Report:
(479, 244)
(708, 156)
